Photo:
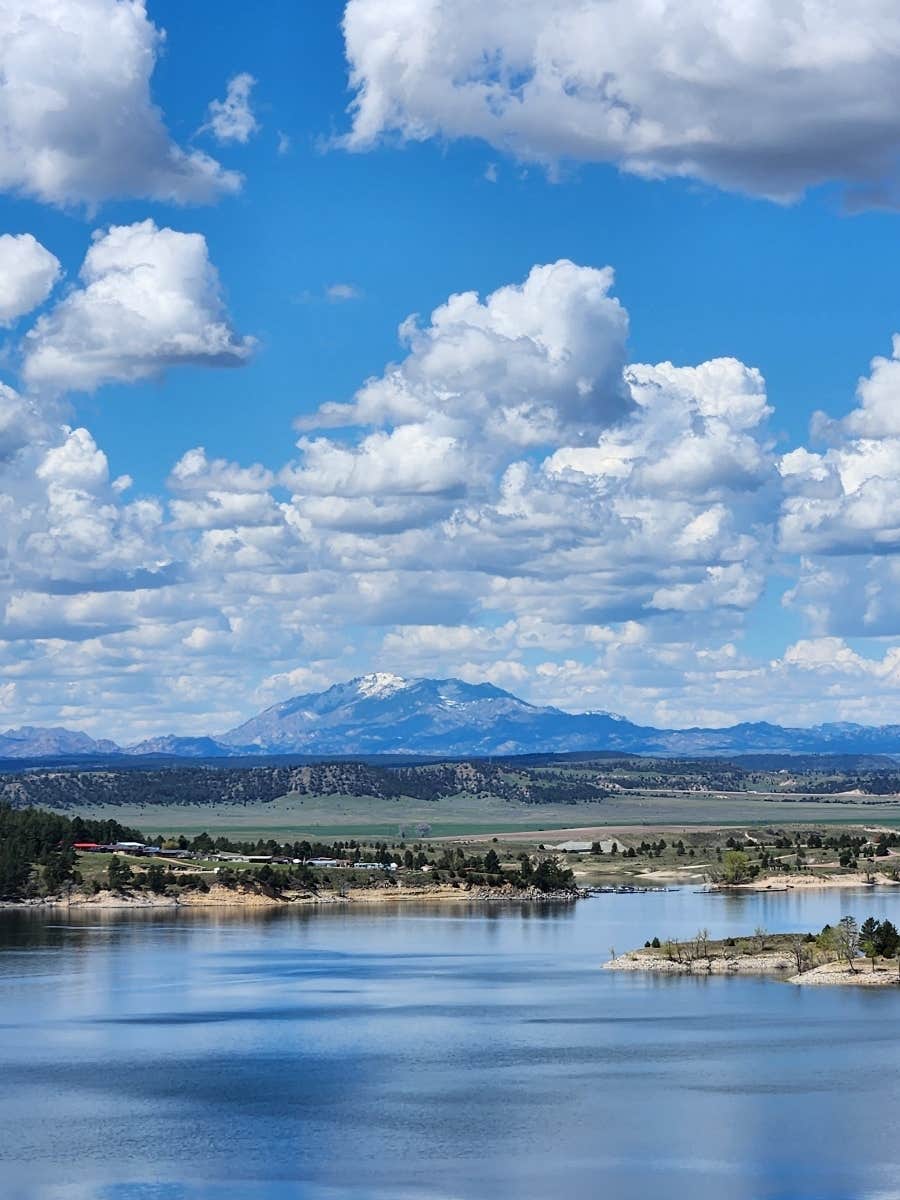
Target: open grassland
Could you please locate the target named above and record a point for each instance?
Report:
(465, 815)
(349, 816)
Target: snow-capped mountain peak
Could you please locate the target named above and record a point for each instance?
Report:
(385, 713)
(380, 684)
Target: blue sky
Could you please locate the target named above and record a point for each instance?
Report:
(455, 546)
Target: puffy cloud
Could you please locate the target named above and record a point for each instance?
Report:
(77, 464)
(841, 513)
(843, 502)
(232, 119)
(695, 431)
(77, 122)
(877, 414)
(835, 657)
(27, 274)
(732, 586)
(533, 364)
(225, 510)
(219, 494)
(846, 499)
(517, 452)
(79, 559)
(82, 530)
(416, 649)
(75, 557)
(149, 299)
(669, 509)
(411, 460)
(390, 481)
(194, 472)
(766, 96)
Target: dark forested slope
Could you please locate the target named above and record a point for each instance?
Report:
(63, 789)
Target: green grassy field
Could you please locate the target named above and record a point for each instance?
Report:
(338, 817)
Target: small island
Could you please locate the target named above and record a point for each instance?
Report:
(866, 954)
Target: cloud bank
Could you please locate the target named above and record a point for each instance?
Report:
(511, 499)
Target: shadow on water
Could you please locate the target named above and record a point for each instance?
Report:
(453, 1052)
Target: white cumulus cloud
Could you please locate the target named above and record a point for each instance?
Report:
(28, 272)
(77, 121)
(513, 448)
(532, 364)
(149, 299)
(845, 499)
(841, 512)
(766, 96)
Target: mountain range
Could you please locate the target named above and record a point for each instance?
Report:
(386, 714)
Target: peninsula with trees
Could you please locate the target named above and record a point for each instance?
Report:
(866, 954)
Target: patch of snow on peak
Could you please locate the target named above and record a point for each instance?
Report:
(380, 683)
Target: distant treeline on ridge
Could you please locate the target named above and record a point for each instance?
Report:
(194, 785)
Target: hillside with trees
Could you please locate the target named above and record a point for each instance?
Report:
(206, 785)
(36, 854)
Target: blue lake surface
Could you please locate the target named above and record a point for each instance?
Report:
(452, 1053)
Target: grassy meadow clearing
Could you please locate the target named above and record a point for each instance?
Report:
(465, 815)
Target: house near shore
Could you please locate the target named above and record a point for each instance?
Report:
(225, 856)
(607, 846)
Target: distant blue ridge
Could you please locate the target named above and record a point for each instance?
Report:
(385, 714)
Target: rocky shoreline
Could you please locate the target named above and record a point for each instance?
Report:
(773, 964)
(219, 896)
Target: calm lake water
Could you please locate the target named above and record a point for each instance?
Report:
(436, 1054)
